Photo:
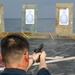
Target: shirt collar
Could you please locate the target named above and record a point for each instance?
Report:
(14, 70)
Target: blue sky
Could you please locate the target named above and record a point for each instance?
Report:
(46, 8)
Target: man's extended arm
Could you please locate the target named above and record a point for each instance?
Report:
(43, 69)
(33, 58)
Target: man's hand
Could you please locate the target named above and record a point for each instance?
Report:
(43, 56)
(42, 60)
(36, 56)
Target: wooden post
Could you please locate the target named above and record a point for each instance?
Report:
(64, 18)
(29, 17)
(2, 29)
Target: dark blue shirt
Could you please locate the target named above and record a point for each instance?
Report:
(15, 71)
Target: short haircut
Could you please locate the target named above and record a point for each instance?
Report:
(13, 45)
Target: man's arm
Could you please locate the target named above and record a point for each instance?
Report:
(43, 69)
(33, 59)
(42, 61)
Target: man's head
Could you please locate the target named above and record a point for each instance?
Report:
(13, 47)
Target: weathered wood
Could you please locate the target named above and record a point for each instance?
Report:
(2, 29)
(30, 34)
(32, 15)
(64, 29)
(40, 35)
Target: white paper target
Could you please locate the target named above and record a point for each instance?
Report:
(29, 16)
(64, 16)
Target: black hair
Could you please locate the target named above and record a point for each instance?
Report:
(13, 44)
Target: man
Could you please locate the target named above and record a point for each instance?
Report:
(15, 55)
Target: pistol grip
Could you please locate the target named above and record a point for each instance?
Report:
(38, 60)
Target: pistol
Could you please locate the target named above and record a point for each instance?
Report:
(39, 49)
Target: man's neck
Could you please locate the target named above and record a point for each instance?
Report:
(18, 66)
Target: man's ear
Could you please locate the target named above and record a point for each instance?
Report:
(0, 56)
(27, 56)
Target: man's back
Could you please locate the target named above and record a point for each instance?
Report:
(15, 71)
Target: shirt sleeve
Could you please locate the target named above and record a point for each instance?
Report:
(43, 71)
